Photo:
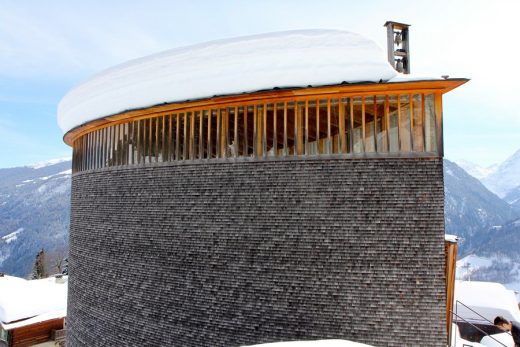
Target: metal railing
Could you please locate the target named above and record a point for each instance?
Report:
(460, 318)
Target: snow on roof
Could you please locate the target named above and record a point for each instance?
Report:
(489, 299)
(317, 343)
(22, 299)
(246, 64)
(451, 238)
(37, 319)
(498, 340)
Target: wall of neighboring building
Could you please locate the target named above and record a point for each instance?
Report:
(237, 253)
(35, 334)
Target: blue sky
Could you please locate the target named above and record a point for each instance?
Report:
(47, 47)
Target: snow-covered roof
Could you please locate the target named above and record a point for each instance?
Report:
(317, 343)
(247, 64)
(498, 340)
(489, 299)
(35, 299)
(451, 238)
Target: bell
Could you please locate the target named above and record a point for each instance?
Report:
(399, 66)
(398, 38)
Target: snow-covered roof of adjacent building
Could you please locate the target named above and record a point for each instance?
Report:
(498, 340)
(488, 299)
(288, 59)
(317, 343)
(451, 238)
(24, 302)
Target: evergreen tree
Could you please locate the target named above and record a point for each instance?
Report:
(39, 266)
(66, 267)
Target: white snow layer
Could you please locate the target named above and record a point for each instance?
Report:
(12, 236)
(246, 64)
(489, 299)
(451, 238)
(498, 340)
(50, 162)
(317, 343)
(20, 298)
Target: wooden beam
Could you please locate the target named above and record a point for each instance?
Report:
(264, 132)
(163, 138)
(192, 153)
(363, 132)
(342, 135)
(387, 122)
(439, 124)
(201, 134)
(178, 137)
(235, 131)
(275, 129)
(329, 133)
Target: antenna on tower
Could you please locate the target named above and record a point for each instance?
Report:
(398, 43)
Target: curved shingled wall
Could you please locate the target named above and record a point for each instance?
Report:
(236, 253)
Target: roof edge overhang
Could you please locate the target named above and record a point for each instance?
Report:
(267, 96)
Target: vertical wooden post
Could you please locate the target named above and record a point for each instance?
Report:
(318, 135)
(412, 137)
(163, 138)
(246, 139)
(451, 260)
(218, 149)
(399, 137)
(363, 131)
(117, 145)
(223, 132)
(235, 136)
(438, 124)
(275, 130)
(285, 150)
(201, 134)
(387, 121)
(328, 148)
(423, 122)
(374, 128)
(210, 114)
(264, 132)
(150, 140)
(306, 151)
(192, 135)
(298, 116)
(139, 142)
(170, 135)
(255, 130)
(342, 135)
(185, 137)
(178, 137)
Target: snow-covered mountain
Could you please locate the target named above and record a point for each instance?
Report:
(492, 253)
(513, 198)
(471, 210)
(34, 213)
(476, 170)
(496, 259)
(35, 204)
(505, 177)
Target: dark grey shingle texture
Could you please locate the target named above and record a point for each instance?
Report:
(229, 254)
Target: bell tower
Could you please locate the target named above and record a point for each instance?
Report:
(398, 43)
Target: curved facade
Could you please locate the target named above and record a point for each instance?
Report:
(238, 253)
(288, 214)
